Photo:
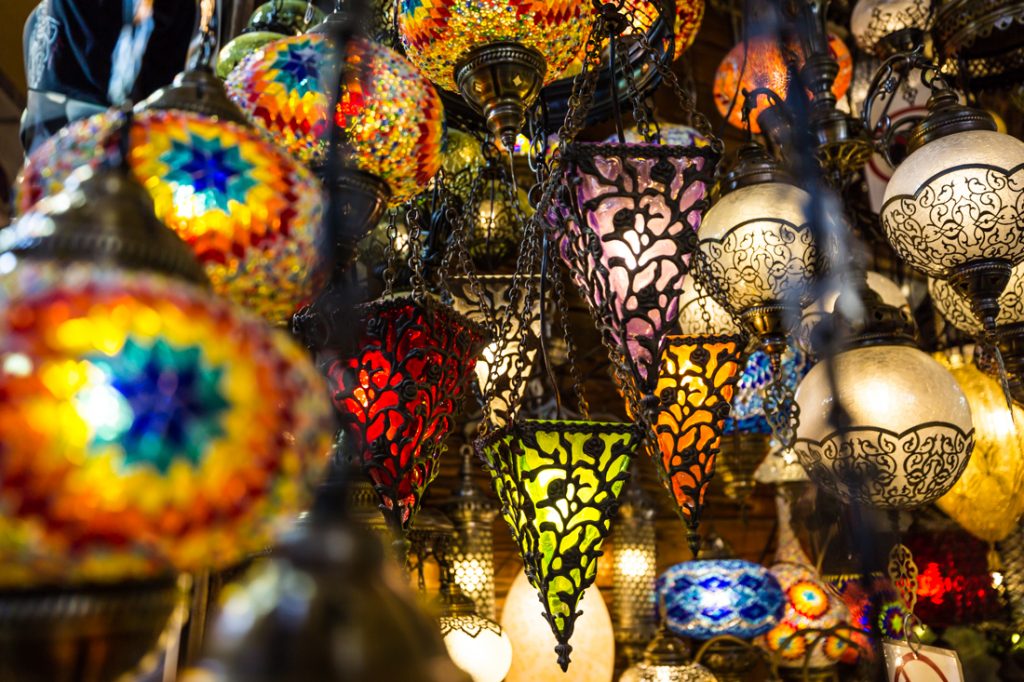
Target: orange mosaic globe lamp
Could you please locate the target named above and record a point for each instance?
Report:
(250, 213)
(149, 427)
(761, 64)
(497, 54)
(689, 14)
(390, 114)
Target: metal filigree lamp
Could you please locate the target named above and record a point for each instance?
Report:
(980, 42)
(398, 391)
(667, 659)
(887, 27)
(695, 386)
(559, 484)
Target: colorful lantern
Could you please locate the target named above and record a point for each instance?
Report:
(764, 66)
(390, 115)
(397, 394)
(810, 605)
(705, 599)
(558, 482)
(250, 213)
(269, 22)
(689, 13)
(747, 415)
(987, 499)
(875, 608)
(694, 388)
(628, 233)
(149, 428)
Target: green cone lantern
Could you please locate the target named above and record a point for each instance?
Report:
(559, 483)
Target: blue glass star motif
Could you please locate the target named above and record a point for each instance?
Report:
(216, 173)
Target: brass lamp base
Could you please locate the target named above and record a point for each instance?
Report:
(87, 634)
(502, 80)
(982, 284)
(770, 322)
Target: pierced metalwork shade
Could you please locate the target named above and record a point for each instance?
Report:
(397, 395)
(627, 235)
(504, 367)
(696, 382)
(957, 310)
(705, 599)
(882, 27)
(559, 484)
(634, 571)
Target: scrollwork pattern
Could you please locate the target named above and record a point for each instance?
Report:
(627, 229)
(962, 214)
(559, 484)
(760, 261)
(397, 394)
(885, 469)
(470, 624)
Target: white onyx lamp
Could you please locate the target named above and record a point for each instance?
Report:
(956, 309)
(881, 27)
(888, 290)
(477, 645)
(910, 433)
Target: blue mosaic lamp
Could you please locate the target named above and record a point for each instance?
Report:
(705, 599)
(747, 413)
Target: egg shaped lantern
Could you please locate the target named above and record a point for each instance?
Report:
(250, 213)
(390, 114)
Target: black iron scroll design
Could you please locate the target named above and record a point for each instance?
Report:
(957, 214)
(760, 256)
(885, 469)
(469, 624)
(627, 230)
(397, 394)
(559, 484)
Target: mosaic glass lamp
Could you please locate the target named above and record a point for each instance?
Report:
(558, 482)
(628, 233)
(390, 114)
(695, 385)
(689, 14)
(151, 427)
(497, 55)
(397, 394)
(875, 607)
(763, 66)
(705, 599)
(250, 213)
(269, 22)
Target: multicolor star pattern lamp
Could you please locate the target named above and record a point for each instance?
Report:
(397, 394)
(148, 427)
(391, 115)
(250, 213)
(696, 382)
(705, 599)
(558, 482)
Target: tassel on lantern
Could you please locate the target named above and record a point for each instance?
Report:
(559, 483)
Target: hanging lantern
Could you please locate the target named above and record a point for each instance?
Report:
(593, 644)
(667, 659)
(628, 233)
(634, 571)
(390, 115)
(250, 213)
(888, 291)
(498, 56)
(698, 375)
(763, 66)
(269, 22)
(506, 363)
(885, 27)
(150, 427)
(476, 644)
(705, 599)
(747, 411)
(875, 607)
(643, 13)
(987, 499)
(956, 309)
(496, 216)
(910, 433)
(397, 394)
(559, 482)
(950, 208)
(781, 467)
(980, 43)
(471, 554)
(809, 605)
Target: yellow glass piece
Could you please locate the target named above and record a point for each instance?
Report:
(988, 499)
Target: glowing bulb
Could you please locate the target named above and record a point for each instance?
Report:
(633, 562)
(478, 646)
(997, 579)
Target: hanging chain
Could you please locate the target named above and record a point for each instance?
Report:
(562, 303)
(415, 259)
(390, 253)
(780, 406)
(648, 130)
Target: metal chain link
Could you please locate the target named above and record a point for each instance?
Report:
(561, 301)
(415, 261)
(390, 252)
(649, 131)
